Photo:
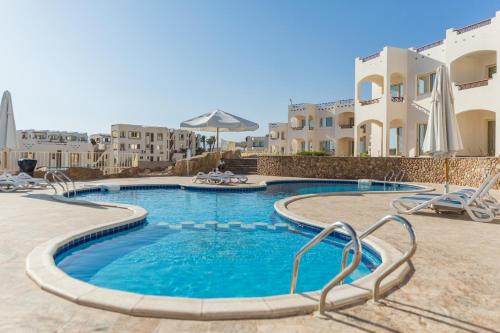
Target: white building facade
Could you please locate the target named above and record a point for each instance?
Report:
(152, 143)
(321, 127)
(53, 149)
(393, 89)
(278, 134)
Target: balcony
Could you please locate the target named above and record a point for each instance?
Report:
(346, 125)
(297, 128)
(469, 85)
(429, 46)
(311, 128)
(472, 26)
(396, 99)
(370, 57)
(370, 101)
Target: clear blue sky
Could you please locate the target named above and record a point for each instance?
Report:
(84, 65)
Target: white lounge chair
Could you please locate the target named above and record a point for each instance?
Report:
(470, 201)
(30, 181)
(218, 178)
(8, 183)
(200, 177)
(237, 178)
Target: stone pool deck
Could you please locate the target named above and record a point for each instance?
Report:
(455, 287)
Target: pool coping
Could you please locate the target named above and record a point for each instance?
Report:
(41, 268)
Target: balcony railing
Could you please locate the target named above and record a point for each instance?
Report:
(311, 128)
(370, 101)
(470, 85)
(473, 26)
(429, 46)
(396, 99)
(346, 125)
(370, 57)
(297, 128)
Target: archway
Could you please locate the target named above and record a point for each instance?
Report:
(477, 129)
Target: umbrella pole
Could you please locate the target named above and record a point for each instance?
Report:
(446, 176)
(217, 139)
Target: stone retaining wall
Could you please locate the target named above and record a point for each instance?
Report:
(201, 163)
(465, 171)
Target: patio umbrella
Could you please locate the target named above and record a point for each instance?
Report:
(219, 121)
(8, 137)
(442, 138)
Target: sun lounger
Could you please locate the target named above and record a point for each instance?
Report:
(30, 181)
(200, 177)
(471, 201)
(9, 183)
(237, 178)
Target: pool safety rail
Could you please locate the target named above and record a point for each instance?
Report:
(62, 180)
(393, 177)
(355, 244)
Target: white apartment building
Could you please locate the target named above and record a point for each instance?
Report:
(152, 143)
(321, 127)
(393, 89)
(278, 134)
(102, 141)
(54, 149)
(256, 143)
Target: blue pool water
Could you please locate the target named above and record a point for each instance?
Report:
(158, 258)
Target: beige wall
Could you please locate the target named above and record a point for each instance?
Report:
(466, 55)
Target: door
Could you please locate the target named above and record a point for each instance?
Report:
(58, 159)
(491, 137)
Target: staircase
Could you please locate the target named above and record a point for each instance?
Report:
(245, 166)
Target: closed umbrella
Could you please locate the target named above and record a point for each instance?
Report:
(219, 121)
(442, 138)
(8, 137)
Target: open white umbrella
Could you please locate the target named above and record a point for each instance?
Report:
(442, 138)
(219, 121)
(8, 136)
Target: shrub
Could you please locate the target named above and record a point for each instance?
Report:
(312, 153)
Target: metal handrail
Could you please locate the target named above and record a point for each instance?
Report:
(66, 178)
(401, 175)
(355, 242)
(61, 179)
(388, 176)
(406, 257)
(46, 178)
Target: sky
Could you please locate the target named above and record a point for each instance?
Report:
(85, 65)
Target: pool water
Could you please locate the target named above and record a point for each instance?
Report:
(159, 258)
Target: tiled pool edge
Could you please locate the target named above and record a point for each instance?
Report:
(40, 267)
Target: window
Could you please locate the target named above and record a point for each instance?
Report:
(282, 135)
(115, 134)
(320, 122)
(159, 136)
(492, 70)
(328, 121)
(159, 147)
(396, 141)
(421, 129)
(491, 137)
(134, 146)
(397, 90)
(326, 146)
(425, 83)
(115, 146)
(134, 135)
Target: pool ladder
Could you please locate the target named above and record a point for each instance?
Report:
(62, 180)
(393, 177)
(355, 246)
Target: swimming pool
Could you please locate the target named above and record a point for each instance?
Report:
(211, 244)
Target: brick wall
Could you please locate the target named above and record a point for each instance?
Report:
(464, 171)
